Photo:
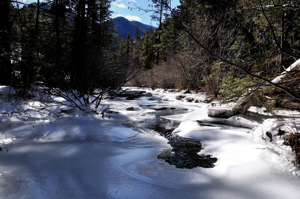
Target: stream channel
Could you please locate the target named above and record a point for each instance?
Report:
(184, 151)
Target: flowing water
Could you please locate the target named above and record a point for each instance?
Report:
(183, 152)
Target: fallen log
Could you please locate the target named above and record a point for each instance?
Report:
(239, 107)
(290, 78)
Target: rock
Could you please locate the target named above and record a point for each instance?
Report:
(269, 134)
(186, 91)
(153, 98)
(148, 94)
(189, 99)
(172, 90)
(184, 153)
(130, 109)
(202, 97)
(280, 132)
(131, 97)
(185, 144)
(166, 153)
(161, 108)
(208, 99)
(180, 97)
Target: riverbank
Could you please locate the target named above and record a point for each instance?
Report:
(66, 153)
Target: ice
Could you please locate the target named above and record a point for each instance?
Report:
(71, 154)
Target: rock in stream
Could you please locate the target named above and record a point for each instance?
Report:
(184, 154)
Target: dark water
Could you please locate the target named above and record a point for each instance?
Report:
(184, 151)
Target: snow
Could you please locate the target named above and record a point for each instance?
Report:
(80, 155)
(294, 67)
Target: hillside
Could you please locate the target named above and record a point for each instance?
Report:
(124, 26)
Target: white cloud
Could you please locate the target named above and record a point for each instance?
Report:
(119, 15)
(134, 18)
(120, 5)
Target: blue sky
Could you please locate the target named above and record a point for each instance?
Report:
(123, 8)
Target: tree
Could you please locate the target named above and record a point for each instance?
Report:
(5, 42)
(29, 40)
(248, 65)
(57, 26)
(160, 10)
(146, 52)
(91, 43)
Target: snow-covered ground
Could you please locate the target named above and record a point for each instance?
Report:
(79, 155)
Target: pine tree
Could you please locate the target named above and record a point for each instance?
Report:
(146, 52)
(161, 9)
(5, 42)
(91, 43)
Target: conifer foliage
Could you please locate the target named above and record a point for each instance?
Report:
(215, 45)
(63, 45)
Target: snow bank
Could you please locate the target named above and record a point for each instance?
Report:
(69, 154)
(9, 122)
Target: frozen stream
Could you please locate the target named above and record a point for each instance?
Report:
(85, 156)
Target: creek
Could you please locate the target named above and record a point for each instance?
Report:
(183, 152)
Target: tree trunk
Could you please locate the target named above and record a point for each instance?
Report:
(241, 106)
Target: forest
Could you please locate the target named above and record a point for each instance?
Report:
(224, 48)
(204, 106)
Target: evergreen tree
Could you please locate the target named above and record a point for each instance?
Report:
(5, 42)
(57, 22)
(161, 9)
(91, 43)
(30, 42)
(146, 52)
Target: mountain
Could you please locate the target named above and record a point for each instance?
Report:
(124, 26)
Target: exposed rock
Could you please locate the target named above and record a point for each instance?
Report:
(280, 132)
(148, 94)
(184, 154)
(186, 91)
(269, 134)
(153, 98)
(129, 95)
(66, 109)
(189, 99)
(208, 99)
(130, 109)
(185, 144)
(172, 90)
(161, 108)
(180, 97)
(164, 154)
